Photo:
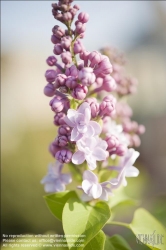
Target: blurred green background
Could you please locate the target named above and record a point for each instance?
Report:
(138, 29)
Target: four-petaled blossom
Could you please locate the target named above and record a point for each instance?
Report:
(55, 181)
(93, 189)
(126, 168)
(91, 149)
(79, 120)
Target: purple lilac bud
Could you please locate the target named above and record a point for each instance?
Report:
(66, 42)
(64, 156)
(50, 75)
(63, 89)
(73, 12)
(76, 7)
(53, 149)
(61, 141)
(58, 31)
(112, 142)
(79, 92)
(141, 129)
(66, 57)
(72, 71)
(51, 60)
(59, 119)
(80, 28)
(57, 103)
(104, 67)
(64, 130)
(84, 55)
(67, 16)
(95, 58)
(107, 106)
(109, 83)
(58, 49)
(78, 47)
(86, 76)
(83, 17)
(49, 90)
(60, 80)
(121, 150)
(94, 106)
(71, 82)
(55, 39)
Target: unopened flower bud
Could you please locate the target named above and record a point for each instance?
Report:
(95, 58)
(55, 39)
(84, 55)
(49, 90)
(78, 47)
(141, 129)
(71, 82)
(109, 83)
(104, 67)
(51, 60)
(58, 31)
(59, 119)
(61, 141)
(50, 75)
(86, 76)
(64, 130)
(79, 92)
(64, 156)
(60, 80)
(67, 16)
(94, 105)
(107, 106)
(80, 28)
(72, 71)
(112, 142)
(66, 57)
(66, 42)
(83, 17)
(121, 149)
(58, 49)
(53, 149)
(57, 103)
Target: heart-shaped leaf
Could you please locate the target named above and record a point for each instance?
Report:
(148, 230)
(97, 243)
(80, 219)
(56, 202)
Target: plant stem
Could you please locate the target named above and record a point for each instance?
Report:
(119, 224)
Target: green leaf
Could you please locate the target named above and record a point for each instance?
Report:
(145, 225)
(119, 242)
(56, 202)
(81, 219)
(97, 243)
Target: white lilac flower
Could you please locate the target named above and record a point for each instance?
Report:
(91, 149)
(126, 168)
(55, 181)
(79, 120)
(93, 189)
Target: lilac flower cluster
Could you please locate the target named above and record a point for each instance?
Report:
(93, 125)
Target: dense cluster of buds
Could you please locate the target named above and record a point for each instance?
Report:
(94, 126)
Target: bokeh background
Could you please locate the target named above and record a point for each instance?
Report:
(136, 28)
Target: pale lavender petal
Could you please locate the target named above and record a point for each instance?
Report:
(96, 191)
(87, 114)
(104, 195)
(88, 175)
(86, 186)
(96, 127)
(78, 157)
(75, 135)
(131, 172)
(91, 161)
(90, 131)
(66, 178)
(69, 122)
(99, 154)
(71, 113)
(82, 107)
